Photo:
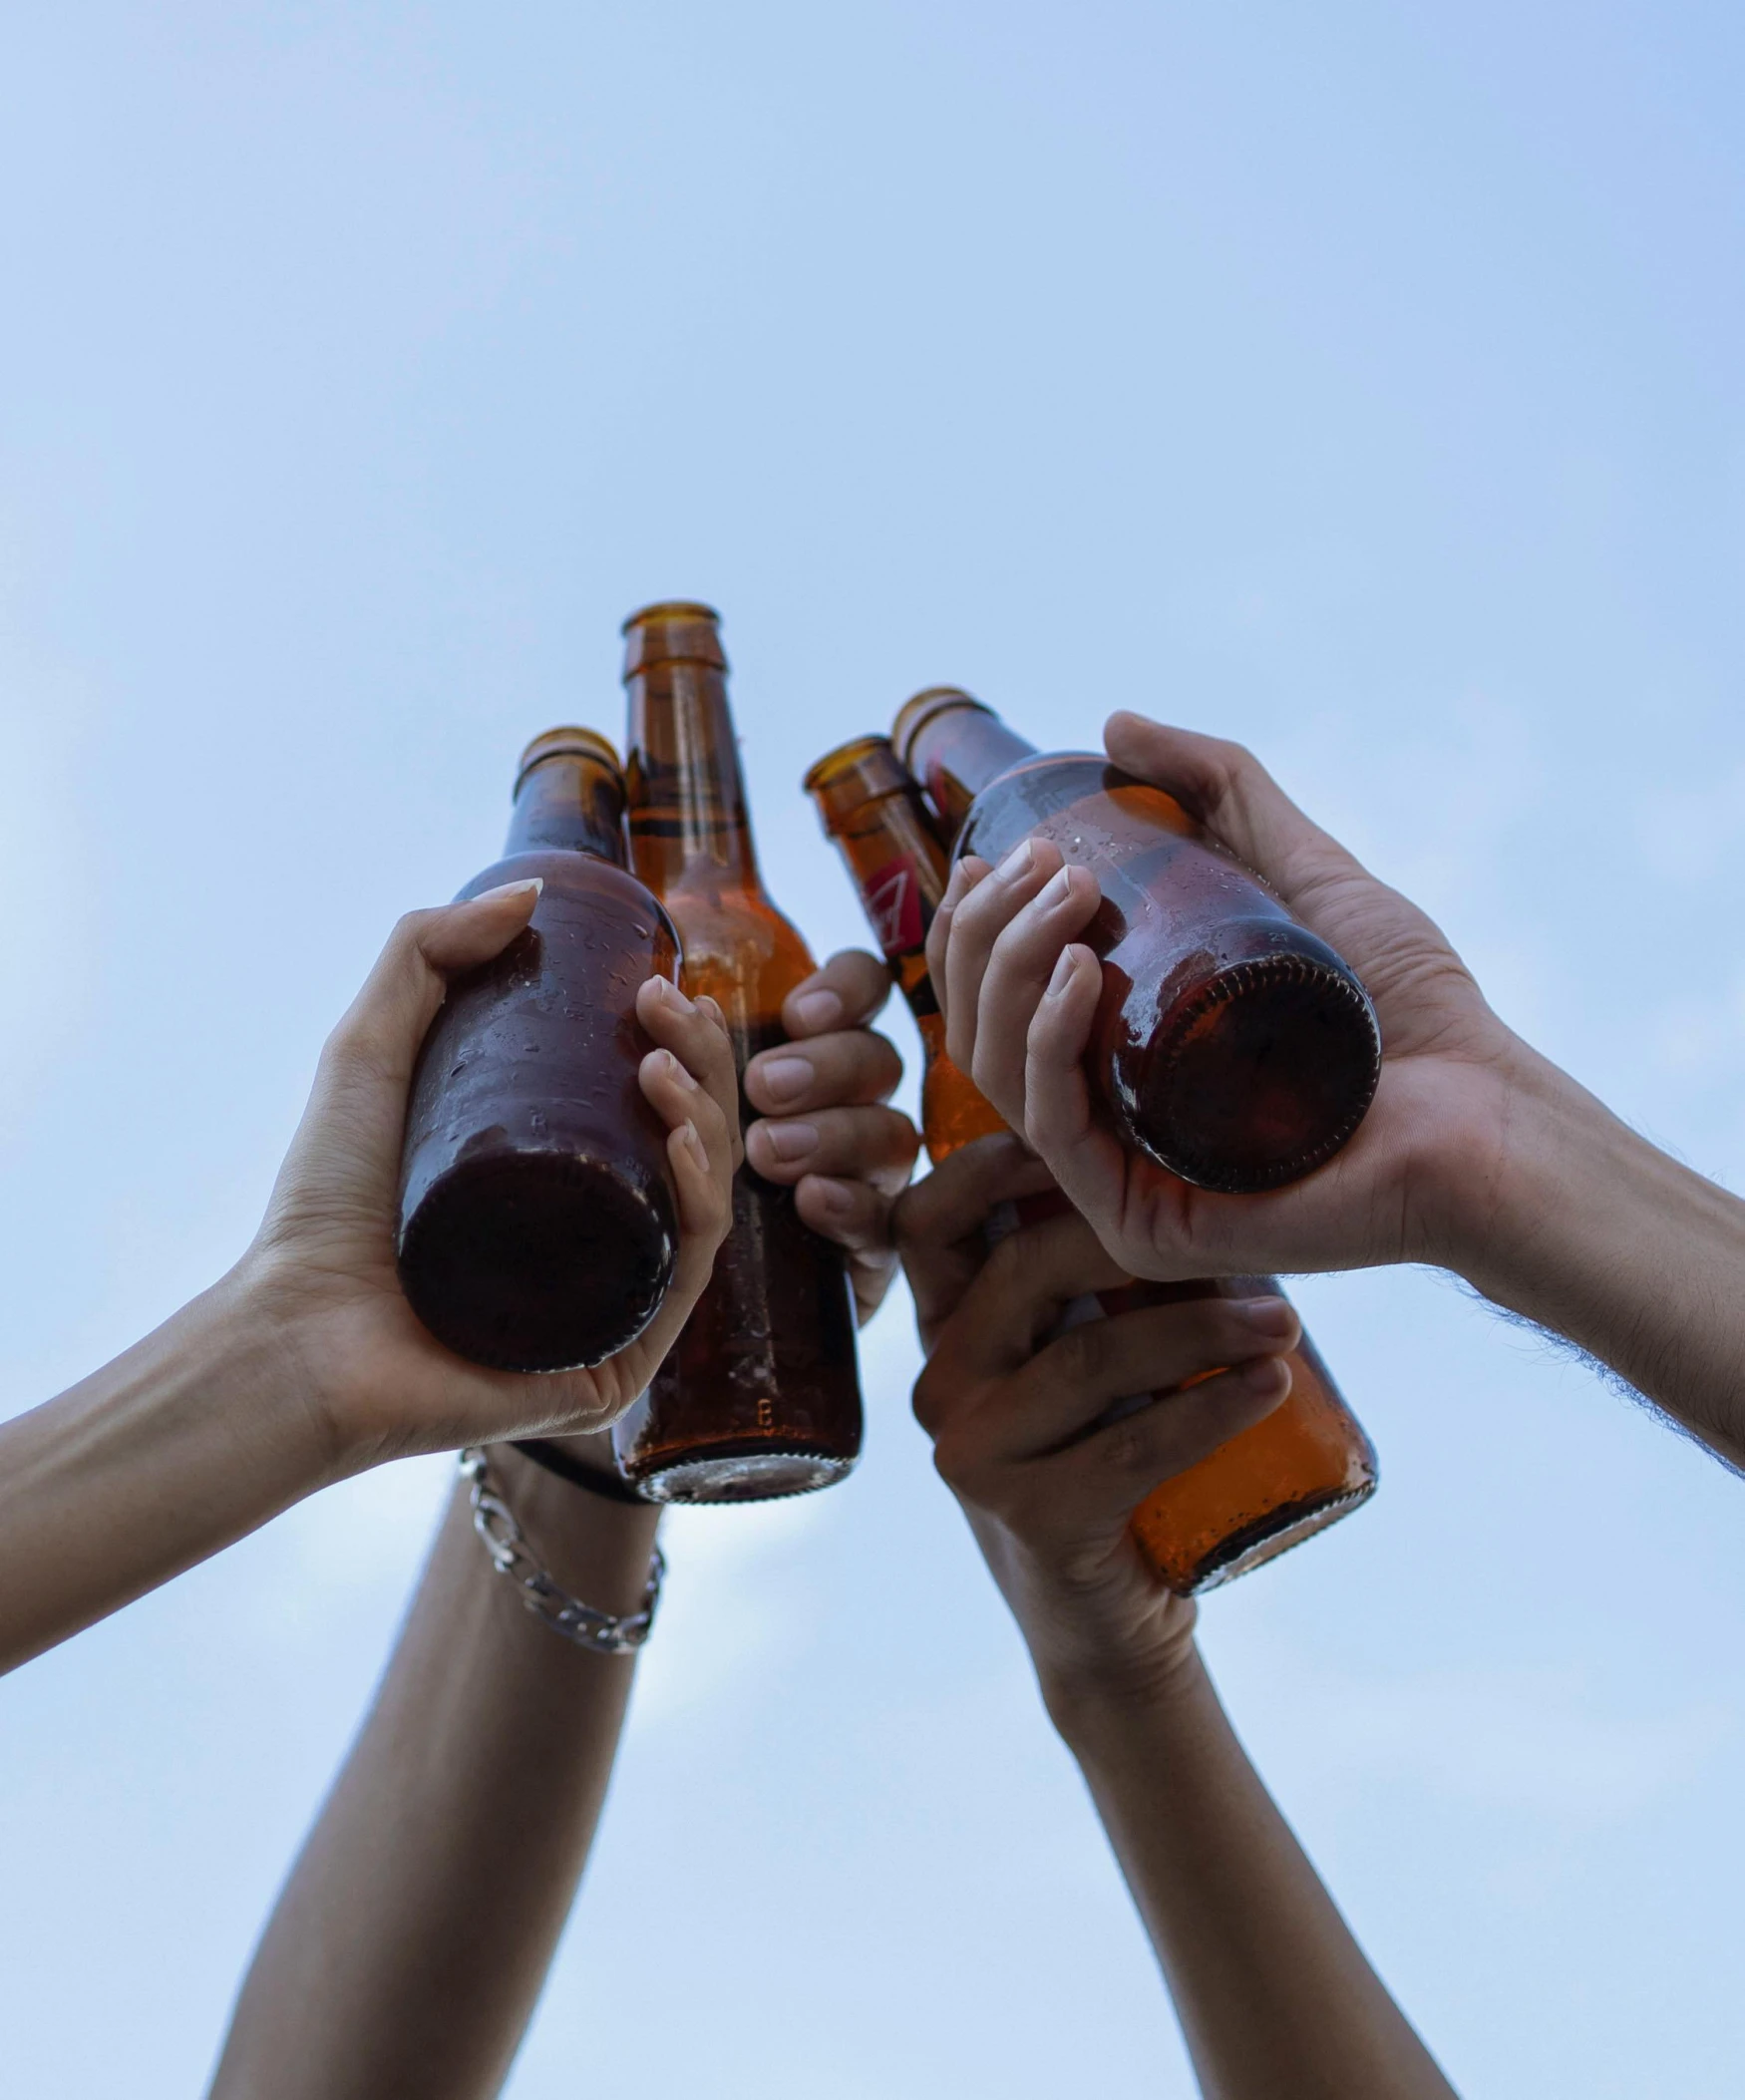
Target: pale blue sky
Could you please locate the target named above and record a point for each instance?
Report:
(1362, 381)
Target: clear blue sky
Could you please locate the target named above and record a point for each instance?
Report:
(1362, 381)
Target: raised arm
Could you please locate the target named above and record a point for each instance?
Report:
(1274, 1994)
(1478, 1155)
(305, 1363)
(409, 1948)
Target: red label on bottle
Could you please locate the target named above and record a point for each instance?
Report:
(894, 905)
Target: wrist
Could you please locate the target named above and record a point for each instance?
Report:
(597, 1549)
(255, 1352)
(1478, 1180)
(1099, 1707)
(1543, 1166)
(267, 1302)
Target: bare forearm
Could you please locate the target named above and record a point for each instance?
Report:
(410, 1944)
(1599, 1236)
(191, 1439)
(1274, 1994)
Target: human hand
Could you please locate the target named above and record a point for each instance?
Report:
(825, 1128)
(1049, 1488)
(1019, 991)
(322, 1270)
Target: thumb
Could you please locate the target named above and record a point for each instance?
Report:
(348, 1142)
(1238, 801)
(385, 1025)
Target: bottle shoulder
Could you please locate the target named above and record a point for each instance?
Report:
(1078, 797)
(731, 935)
(572, 875)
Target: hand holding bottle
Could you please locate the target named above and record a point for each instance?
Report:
(323, 1262)
(305, 1363)
(1478, 1155)
(1049, 1494)
(1020, 992)
(826, 1126)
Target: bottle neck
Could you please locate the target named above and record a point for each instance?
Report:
(690, 817)
(956, 750)
(569, 802)
(873, 810)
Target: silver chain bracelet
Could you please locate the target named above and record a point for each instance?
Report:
(512, 1555)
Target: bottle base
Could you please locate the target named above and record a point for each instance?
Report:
(743, 1475)
(538, 1259)
(1253, 1545)
(1257, 1077)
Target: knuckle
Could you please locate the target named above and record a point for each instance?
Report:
(929, 1402)
(1082, 1351)
(905, 1142)
(910, 1219)
(892, 1138)
(887, 1063)
(1010, 1267)
(410, 929)
(1128, 1448)
(956, 1464)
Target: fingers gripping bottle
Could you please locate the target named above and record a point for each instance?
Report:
(538, 1224)
(760, 1397)
(1232, 1044)
(1290, 1476)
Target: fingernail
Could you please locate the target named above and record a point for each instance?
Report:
(791, 1141)
(1260, 1376)
(837, 1197)
(818, 1009)
(1063, 974)
(675, 999)
(678, 1072)
(1058, 889)
(699, 1151)
(785, 1077)
(1265, 1316)
(1018, 862)
(533, 883)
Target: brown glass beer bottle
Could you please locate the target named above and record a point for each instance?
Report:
(760, 1397)
(538, 1219)
(1302, 1468)
(1232, 1044)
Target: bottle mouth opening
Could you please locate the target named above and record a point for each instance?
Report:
(568, 742)
(864, 770)
(676, 630)
(920, 708)
(672, 610)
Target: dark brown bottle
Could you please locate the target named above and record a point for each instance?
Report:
(1232, 1044)
(538, 1222)
(1302, 1468)
(760, 1397)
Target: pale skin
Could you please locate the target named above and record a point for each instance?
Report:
(1478, 1155)
(406, 1953)
(408, 1948)
(304, 1364)
(1273, 1992)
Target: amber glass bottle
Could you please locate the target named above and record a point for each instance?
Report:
(1278, 1483)
(538, 1220)
(760, 1397)
(1232, 1043)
